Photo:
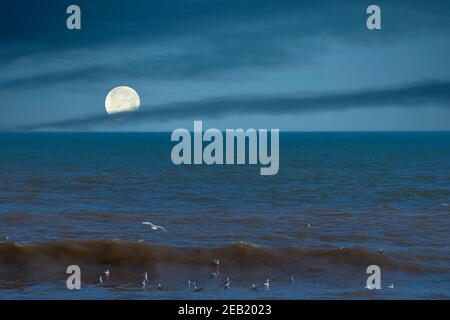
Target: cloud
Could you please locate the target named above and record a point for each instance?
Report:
(213, 37)
(40, 25)
(408, 96)
(173, 64)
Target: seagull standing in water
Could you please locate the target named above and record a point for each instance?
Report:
(197, 289)
(154, 226)
(145, 281)
(107, 273)
(227, 284)
(391, 286)
(254, 287)
(381, 251)
(217, 263)
(292, 279)
(267, 283)
(100, 279)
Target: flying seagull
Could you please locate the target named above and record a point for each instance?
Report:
(154, 227)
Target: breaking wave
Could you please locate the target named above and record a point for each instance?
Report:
(244, 255)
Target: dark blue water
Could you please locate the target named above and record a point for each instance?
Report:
(81, 198)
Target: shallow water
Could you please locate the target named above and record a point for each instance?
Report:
(80, 198)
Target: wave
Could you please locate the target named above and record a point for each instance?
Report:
(243, 255)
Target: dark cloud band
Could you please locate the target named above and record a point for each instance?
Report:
(413, 95)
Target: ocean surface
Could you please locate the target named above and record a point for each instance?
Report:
(80, 199)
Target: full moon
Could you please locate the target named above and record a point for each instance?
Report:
(122, 99)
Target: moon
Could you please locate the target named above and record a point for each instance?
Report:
(122, 99)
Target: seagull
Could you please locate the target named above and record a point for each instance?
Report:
(391, 286)
(381, 251)
(254, 287)
(100, 279)
(197, 289)
(341, 248)
(444, 204)
(146, 277)
(267, 283)
(154, 227)
(217, 263)
(227, 283)
(160, 287)
(213, 274)
(292, 279)
(107, 273)
(309, 226)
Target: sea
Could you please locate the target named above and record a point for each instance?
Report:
(340, 203)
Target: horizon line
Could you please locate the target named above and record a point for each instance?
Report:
(285, 131)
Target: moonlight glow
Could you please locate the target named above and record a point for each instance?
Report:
(122, 99)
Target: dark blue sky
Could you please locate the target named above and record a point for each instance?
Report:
(293, 65)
